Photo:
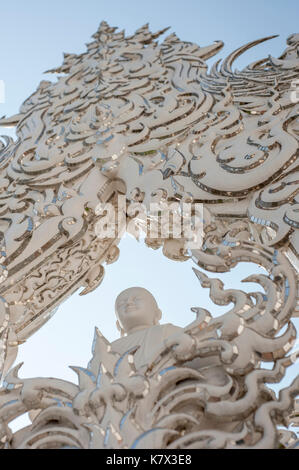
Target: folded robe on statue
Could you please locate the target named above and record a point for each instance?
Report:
(150, 342)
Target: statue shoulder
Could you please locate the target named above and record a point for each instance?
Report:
(169, 329)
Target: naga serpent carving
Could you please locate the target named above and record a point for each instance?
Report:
(145, 119)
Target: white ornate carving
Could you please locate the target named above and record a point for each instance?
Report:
(144, 119)
(161, 386)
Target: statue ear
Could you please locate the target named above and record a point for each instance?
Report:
(122, 332)
(158, 316)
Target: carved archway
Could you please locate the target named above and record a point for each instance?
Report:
(131, 116)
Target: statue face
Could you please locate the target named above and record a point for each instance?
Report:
(136, 307)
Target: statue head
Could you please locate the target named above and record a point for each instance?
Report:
(136, 309)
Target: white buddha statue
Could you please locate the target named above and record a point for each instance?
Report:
(138, 317)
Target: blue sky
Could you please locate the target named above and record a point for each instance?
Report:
(33, 36)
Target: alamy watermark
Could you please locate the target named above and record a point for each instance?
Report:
(163, 220)
(294, 95)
